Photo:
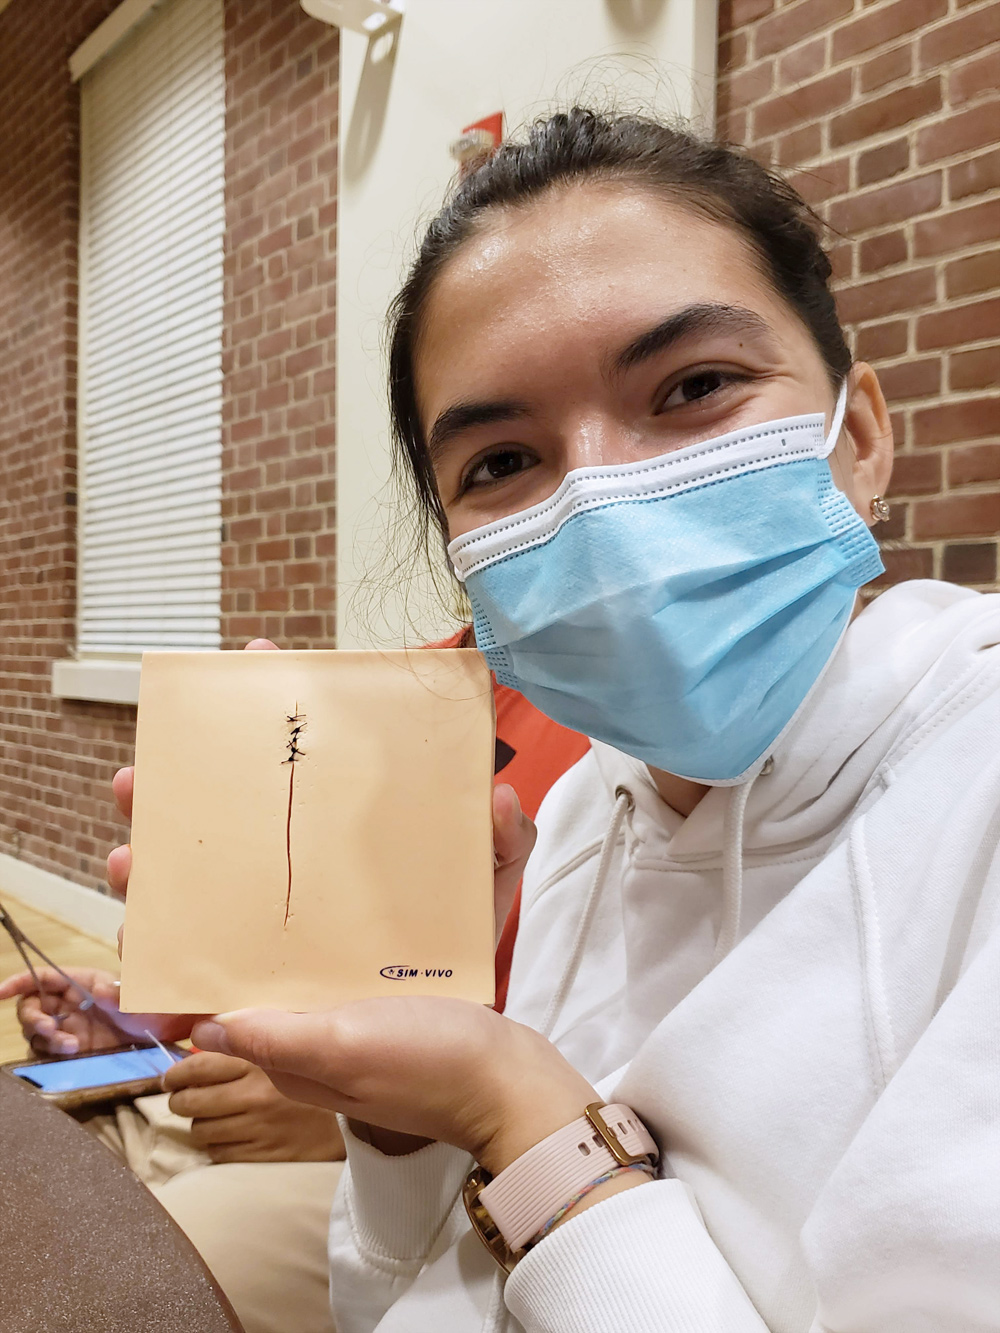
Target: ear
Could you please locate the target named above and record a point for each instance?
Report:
(862, 460)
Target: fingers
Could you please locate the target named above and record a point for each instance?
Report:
(21, 983)
(52, 982)
(202, 1070)
(121, 785)
(220, 1130)
(513, 832)
(261, 646)
(277, 1041)
(210, 1103)
(513, 838)
(119, 866)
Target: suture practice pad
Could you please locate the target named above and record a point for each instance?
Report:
(310, 828)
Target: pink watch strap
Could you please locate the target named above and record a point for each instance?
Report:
(526, 1194)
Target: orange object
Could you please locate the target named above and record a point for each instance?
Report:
(542, 752)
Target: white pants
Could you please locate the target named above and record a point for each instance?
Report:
(261, 1227)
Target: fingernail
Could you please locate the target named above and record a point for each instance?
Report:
(212, 1036)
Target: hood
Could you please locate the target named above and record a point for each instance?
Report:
(904, 654)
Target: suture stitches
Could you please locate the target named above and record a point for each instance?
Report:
(297, 725)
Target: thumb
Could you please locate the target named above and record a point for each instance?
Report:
(261, 646)
(268, 1038)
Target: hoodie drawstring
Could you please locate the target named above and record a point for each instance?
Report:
(732, 871)
(624, 802)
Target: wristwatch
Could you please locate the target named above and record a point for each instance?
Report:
(506, 1211)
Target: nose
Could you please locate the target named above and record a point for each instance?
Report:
(597, 440)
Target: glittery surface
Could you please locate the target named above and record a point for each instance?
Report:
(84, 1247)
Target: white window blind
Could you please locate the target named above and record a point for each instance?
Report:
(150, 400)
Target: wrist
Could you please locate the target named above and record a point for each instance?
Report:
(541, 1094)
(527, 1120)
(604, 1151)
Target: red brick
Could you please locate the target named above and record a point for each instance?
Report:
(974, 275)
(901, 565)
(732, 51)
(796, 21)
(803, 103)
(878, 114)
(957, 516)
(970, 563)
(974, 463)
(882, 340)
(974, 78)
(804, 62)
(889, 159)
(911, 379)
(975, 322)
(823, 180)
(960, 37)
(960, 132)
(956, 422)
(735, 13)
(976, 176)
(889, 203)
(885, 296)
(279, 239)
(976, 369)
(798, 145)
(883, 251)
(885, 25)
(731, 127)
(915, 474)
(278, 549)
(896, 63)
(957, 228)
(745, 87)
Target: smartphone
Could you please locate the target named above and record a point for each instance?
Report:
(115, 1074)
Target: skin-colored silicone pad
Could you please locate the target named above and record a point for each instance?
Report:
(310, 828)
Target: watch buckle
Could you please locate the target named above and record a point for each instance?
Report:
(482, 1223)
(614, 1145)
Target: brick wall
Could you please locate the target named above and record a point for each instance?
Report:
(886, 116)
(57, 757)
(278, 436)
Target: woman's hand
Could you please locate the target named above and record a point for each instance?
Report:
(54, 1024)
(238, 1115)
(424, 1066)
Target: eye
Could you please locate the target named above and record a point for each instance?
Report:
(692, 388)
(496, 466)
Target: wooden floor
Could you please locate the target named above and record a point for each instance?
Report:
(64, 945)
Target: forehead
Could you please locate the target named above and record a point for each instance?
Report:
(586, 264)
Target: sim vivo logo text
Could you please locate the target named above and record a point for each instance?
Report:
(397, 972)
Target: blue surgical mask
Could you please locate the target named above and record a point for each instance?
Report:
(680, 608)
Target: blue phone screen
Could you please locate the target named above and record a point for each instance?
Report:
(94, 1071)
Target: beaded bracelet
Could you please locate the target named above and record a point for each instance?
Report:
(645, 1167)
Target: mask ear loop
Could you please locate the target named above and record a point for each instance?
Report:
(836, 425)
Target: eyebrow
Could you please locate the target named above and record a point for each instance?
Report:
(692, 320)
(463, 416)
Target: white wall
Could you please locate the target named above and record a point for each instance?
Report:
(453, 62)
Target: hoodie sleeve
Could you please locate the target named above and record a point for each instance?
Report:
(639, 1262)
(387, 1215)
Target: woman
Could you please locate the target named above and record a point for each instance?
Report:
(762, 911)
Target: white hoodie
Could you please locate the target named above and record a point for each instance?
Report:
(826, 1097)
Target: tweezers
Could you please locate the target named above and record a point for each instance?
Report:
(22, 944)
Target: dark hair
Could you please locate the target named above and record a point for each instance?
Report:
(719, 180)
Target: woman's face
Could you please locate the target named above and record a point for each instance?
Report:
(598, 326)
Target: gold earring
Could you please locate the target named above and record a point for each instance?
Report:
(879, 509)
